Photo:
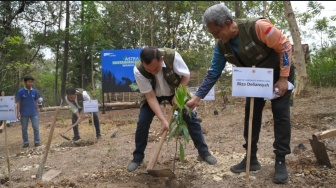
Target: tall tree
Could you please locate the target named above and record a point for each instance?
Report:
(237, 8)
(298, 55)
(58, 53)
(264, 8)
(66, 49)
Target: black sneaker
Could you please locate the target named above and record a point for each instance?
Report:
(280, 174)
(25, 146)
(37, 144)
(75, 139)
(241, 167)
(207, 157)
(98, 137)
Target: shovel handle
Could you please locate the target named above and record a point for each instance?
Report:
(71, 126)
(154, 156)
(324, 134)
(157, 150)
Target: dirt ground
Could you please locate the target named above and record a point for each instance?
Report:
(103, 164)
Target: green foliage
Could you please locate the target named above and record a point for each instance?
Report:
(63, 120)
(178, 126)
(134, 86)
(322, 69)
(101, 25)
(44, 83)
(314, 9)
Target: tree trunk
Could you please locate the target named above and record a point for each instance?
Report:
(168, 42)
(265, 8)
(83, 54)
(151, 23)
(92, 70)
(298, 55)
(237, 8)
(57, 56)
(66, 50)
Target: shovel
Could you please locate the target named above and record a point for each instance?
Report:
(319, 148)
(68, 128)
(152, 161)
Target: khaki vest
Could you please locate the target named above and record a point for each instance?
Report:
(250, 49)
(80, 99)
(172, 78)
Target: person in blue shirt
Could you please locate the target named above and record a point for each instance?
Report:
(27, 108)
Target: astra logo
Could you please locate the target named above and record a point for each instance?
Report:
(109, 54)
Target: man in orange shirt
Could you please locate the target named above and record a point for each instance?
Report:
(247, 43)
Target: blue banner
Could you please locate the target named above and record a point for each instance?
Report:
(117, 70)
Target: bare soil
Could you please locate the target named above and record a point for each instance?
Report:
(103, 164)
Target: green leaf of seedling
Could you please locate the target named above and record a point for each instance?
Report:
(62, 120)
(181, 152)
(172, 124)
(179, 98)
(179, 127)
(179, 130)
(186, 132)
(188, 110)
(171, 133)
(180, 116)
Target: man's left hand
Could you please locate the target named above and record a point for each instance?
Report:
(282, 85)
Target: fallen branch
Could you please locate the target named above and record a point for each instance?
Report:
(113, 105)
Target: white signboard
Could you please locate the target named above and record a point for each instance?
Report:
(209, 97)
(7, 108)
(90, 106)
(252, 82)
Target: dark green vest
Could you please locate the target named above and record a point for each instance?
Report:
(169, 75)
(250, 49)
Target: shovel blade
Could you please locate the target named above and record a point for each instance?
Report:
(161, 173)
(66, 138)
(320, 152)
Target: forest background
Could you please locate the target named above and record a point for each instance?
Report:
(73, 33)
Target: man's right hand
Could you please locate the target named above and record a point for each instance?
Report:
(164, 126)
(79, 119)
(193, 102)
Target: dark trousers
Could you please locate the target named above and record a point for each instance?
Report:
(145, 119)
(95, 121)
(282, 124)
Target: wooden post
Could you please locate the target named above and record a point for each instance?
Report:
(249, 139)
(7, 156)
(93, 128)
(44, 159)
